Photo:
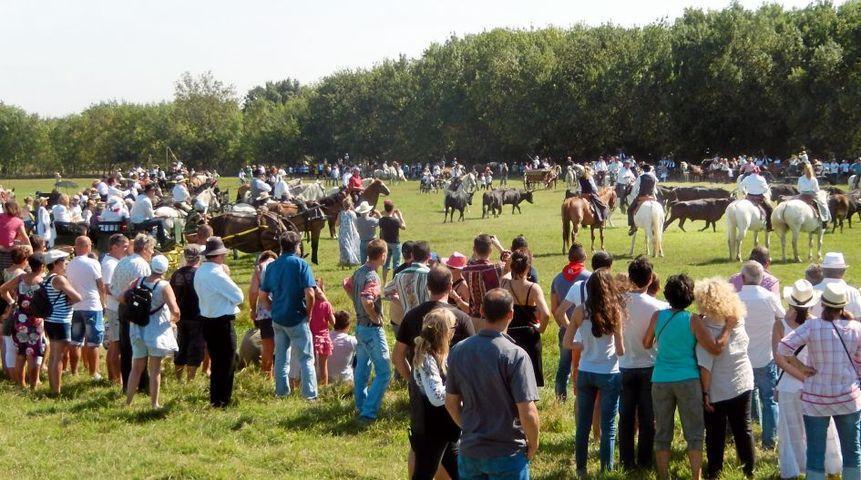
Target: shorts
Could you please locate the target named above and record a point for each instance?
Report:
(141, 350)
(112, 327)
(58, 332)
(265, 326)
(687, 395)
(323, 345)
(192, 345)
(10, 351)
(88, 328)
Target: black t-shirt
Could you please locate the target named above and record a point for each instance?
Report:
(403, 266)
(182, 282)
(390, 229)
(424, 417)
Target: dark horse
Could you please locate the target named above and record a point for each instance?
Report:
(251, 233)
(334, 203)
(312, 226)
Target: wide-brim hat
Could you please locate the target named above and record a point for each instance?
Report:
(456, 260)
(835, 296)
(53, 255)
(263, 196)
(214, 246)
(801, 294)
(834, 260)
(364, 208)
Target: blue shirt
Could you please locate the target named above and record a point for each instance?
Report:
(286, 280)
(676, 358)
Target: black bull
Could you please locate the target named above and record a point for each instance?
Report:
(708, 209)
(456, 201)
(492, 202)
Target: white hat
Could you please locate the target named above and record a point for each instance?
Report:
(363, 208)
(159, 264)
(53, 255)
(834, 260)
(801, 294)
(835, 295)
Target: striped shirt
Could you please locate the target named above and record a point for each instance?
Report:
(62, 311)
(833, 389)
(481, 276)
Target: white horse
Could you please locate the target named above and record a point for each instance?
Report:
(854, 183)
(743, 216)
(468, 183)
(206, 200)
(310, 192)
(570, 178)
(172, 219)
(797, 216)
(650, 218)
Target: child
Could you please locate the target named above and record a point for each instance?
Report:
(321, 319)
(343, 349)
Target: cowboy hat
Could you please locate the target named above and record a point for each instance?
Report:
(801, 294)
(53, 255)
(263, 196)
(457, 261)
(834, 260)
(214, 247)
(363, 208)
(835, 296)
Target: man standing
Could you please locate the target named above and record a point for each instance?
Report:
(645, 186)
(219, 299)
(290, 283)
(409, 286)
(363, 287)
(189, 334)
(118, 246)
(763, 309)
(833, 269)
(391, 224)
(88, 326)
(491, 394)
(481, 274)
(573, 272)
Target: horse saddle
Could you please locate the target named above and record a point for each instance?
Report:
(757, 201)
(642, 199)
(811, 201)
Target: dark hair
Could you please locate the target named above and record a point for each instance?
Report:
(19, 254)
(35, 262)
(655, 286)
(117, 239)
(342, 320)
(376, 249)
(640, 271)
(829, 314)
(520, 263)
(603, 302)
(11, 208)
(388, 207)
(482, 244)
(421, 251)
(601, 259)
(38, 243)
(204, 231)
(497, 304)
(760, 255)
(439, 280)
(407, 248)
(289, 241)
(518, 243)
(801, 314)
(576, 253)
(679, 291)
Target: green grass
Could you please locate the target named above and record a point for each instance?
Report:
(89, 433)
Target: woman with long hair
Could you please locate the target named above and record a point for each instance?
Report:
(530, 311)
(808, 189)
(599, 324)
(830, 390)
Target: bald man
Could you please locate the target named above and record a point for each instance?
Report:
(88, 325)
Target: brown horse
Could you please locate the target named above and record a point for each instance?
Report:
(334, 203)
(242, 191)
(251, 233)
(372, 192)
(312, 227)
(578, 211)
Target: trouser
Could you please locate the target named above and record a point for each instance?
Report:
(371, 350)
(147, 225)
(363, 250)
(736, 411)
(632, 209)
(635, 408)
(300, 339)
(847, 430)
(589, 385)
(765, 379)
(126, 355)
(820, 207)
(220, 339)
(563, 370)
(432, 451)
(506, 467)
(766, 206)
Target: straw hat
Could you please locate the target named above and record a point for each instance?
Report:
(801, 294)
(53, 255)
(363, 208)
(834, 260)
(835, 296)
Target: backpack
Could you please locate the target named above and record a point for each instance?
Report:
(41, 305)
(139, 304)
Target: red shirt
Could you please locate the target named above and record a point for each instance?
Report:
(9, 226)
(355, 182)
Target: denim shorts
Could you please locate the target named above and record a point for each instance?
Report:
(88, 328)
(58, 332)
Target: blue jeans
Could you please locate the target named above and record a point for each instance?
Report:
(563, 371)
(371, 349)
(589, 385)
(88, 328)
(847, 431)
(765, 379)
(509, 467)
(363, 250)
(394, 257)
(299, 337)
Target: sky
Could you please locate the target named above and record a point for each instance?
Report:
(60, 56)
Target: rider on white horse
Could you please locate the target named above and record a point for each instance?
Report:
(755, 186)
(808, 189)
(645, 186)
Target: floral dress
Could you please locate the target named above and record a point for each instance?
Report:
(29, 334)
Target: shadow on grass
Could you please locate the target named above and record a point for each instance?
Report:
(333, 417)
(712, 261)
(149, 415)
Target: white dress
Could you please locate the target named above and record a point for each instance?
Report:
(45, 227)
(158, 333)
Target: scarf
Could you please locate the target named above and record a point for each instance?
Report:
(571, 270)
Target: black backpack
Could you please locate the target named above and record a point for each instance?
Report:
(139, 304)
(41, 305)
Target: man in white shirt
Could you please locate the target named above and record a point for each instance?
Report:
(88, 327)
(833, 269)
(181, 195)
(281, 191)
(118, 246)
(763, 309)
(259, 186)
(102, 189)
(624, 178)
(755, 187)
(219, 298)
(143, 215)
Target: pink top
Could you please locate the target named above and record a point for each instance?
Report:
(9, 226)
(833, 389)
(320, 318)
(769, 282)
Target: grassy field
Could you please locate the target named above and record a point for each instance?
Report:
(88, 432)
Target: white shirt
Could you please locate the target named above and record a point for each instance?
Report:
(76, 213)
(625, 176)
(574, 296)
(217, 293)
(763, 307)
(142, 209)
(116, 191)
(180, 193)
(109, 264)
(280, 189)
(129, 268)
(640, 308)
(754, 184)
(346, 178)
(102, 188)
(854, 306)
(61, 213)
(115, 210)
(83, 272)
(808, 185)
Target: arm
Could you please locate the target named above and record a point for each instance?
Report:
(310, 298)
(103, 292)
(7, 288)
(21, 236)
(432, 383)
(229, 289)
(560, 313)
(712, 345)
(617, 340)
(62, 283)
(576, 320)
(253, 294)
(786, 363)
(705, 381)
(170, 303)
(528, 414)
(454, 407)
(399, 358)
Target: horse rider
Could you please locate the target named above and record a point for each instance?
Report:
(756, 189)
(142, 215)
(600, 171)
(589, 192)
(808, 190)
(645, 186)
(259, 187)
(613, 168)
(181, 195)
(747, 168)
(624, 177)
(354, 185)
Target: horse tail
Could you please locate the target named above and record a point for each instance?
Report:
(778, 217)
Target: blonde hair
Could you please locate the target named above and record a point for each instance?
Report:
(63, 199)
(716, 298)
(437, 329)
(807, 170)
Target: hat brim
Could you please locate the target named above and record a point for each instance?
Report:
(216, 252)
(826, 303)
(449, 265)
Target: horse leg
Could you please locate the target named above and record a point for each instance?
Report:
(682, 224)
(592, 233)
(819, 245)
(565, 232)
(810, 245)
(315, 242)
(633, 242)
(795, 245)
(601, 232)
(738, 242)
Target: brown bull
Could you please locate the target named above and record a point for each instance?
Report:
(708, 209)
(840, 208)
(577, 211)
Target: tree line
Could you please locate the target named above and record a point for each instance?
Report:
(767, 81)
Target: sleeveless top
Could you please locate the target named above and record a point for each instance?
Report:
(787, 382)
(647, 185)
(599, 353)
(587, 185)
(676, 359)
(454, 286)
(62, 311)
(524, 314)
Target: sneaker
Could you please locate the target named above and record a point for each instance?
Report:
(97, 377)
